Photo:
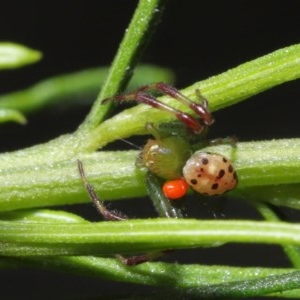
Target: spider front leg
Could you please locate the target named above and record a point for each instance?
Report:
(110, 215)
(200, 109)
(142, 95)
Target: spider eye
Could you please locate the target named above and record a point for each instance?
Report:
(175, 189)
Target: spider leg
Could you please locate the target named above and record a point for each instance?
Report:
(165, 210)
(123, 97)
(107, 214)
(230, 140)
(116, 216)
(203, 99)
(186, 118)
(142, 97)
(200, 109)
(139, 259)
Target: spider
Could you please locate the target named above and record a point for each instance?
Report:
(170, 156)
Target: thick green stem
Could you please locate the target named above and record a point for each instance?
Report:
(221, 91)
(114, 174)
(46, 184)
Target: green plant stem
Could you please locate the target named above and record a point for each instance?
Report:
(136, 236)
(264, 162)
(185, 279)
(221, 91)
(146, 16)
(256, 287)
(174, 276)
(250, 78)
(59, 183)
(115, 175)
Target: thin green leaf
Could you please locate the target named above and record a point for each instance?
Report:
(181, 280)
(137, 34)
(74, 88)
(14, 55)
(41, 216)
(291, 251)
(7, 115)
(136, 236)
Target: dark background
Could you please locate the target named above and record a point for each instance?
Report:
(196, 39)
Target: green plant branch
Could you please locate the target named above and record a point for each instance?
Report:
(137, 236)
(115, 175)
(132, 121)
(178, 278)
(263, 162)
(153, 273)
(59, 182)
(250, 78)
(221, 91)
(146, 16)
(185, 279)
(271, 285)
